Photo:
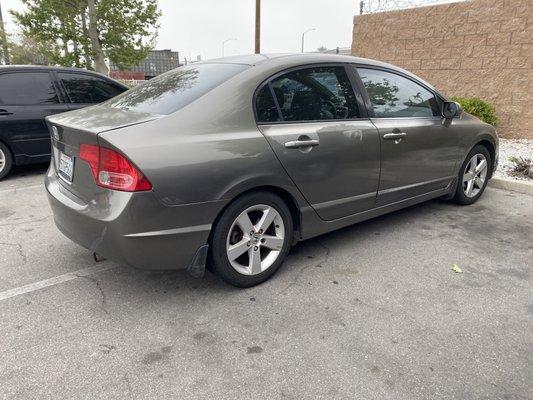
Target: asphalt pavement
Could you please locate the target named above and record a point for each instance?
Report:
(373, 311)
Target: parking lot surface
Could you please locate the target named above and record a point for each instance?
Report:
(373, 311)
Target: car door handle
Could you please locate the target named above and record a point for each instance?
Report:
(296, 144)
(5, 112)
(394, 136)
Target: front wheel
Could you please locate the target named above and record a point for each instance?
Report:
(6, 161)
(251, 239)
(473, 176)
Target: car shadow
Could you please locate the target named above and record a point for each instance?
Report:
(311, 252)
(23, 171)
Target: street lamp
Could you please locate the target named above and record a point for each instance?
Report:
(224, 44)
(303, 37)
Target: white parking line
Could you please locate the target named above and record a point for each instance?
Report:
(12, 189)
(32, 287)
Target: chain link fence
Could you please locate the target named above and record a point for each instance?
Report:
(375, 6)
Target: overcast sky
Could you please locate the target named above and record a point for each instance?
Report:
(198, 27)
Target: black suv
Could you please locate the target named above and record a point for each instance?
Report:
(30, 93)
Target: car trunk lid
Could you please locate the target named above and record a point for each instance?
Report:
(69, 130)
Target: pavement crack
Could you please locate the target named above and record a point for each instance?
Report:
(20, 250)
(325, 259)
(103, 304)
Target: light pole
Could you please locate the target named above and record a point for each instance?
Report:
(224, 44)
(303, 37)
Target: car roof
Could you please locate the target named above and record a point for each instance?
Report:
(293, 59)
(47, 67)
(4, 68)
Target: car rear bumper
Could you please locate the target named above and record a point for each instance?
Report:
(134, 229)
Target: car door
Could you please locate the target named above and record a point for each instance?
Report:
(26, 98)
(83, 89)
(419, 149)
(318, 128)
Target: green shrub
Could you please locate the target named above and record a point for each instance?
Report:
(479, 108)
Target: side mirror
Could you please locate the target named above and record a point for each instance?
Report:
(451, 109)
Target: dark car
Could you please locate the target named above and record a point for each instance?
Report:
(28, 94)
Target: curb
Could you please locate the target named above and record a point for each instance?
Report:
(513, 185)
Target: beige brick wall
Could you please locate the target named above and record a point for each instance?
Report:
(478, 48)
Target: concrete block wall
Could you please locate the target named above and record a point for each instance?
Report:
(478, 48)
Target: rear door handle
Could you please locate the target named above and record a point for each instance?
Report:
(394, 136)
(296, 144)
(5, 112)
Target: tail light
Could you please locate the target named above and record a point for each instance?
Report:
(112, 170)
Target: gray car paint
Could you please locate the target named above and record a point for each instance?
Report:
(202, 156)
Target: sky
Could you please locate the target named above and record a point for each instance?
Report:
(198, 27)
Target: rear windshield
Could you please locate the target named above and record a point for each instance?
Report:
(175, 89)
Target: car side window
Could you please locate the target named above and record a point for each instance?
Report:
(87, 89)
(267, 110)
(393, 96)
(27, 88)
(314, 94)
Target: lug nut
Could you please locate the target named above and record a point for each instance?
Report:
(260, 231)
(255, 248)
(262, 240)
(249, 243)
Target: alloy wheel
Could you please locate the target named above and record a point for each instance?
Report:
(255, 239)
(2, 160)
(475, 175)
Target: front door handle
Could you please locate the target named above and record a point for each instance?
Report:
(5, 112)
(296, 144)
(394, 136)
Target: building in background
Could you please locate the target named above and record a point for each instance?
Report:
(157, 62)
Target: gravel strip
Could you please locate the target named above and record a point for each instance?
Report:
(513, 147)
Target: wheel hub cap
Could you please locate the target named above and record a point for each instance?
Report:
(255, 239)
(475, 175)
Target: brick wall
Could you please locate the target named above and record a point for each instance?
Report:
(478, 48)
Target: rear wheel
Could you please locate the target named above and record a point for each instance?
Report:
(251, 239)
(473, 176)
(6, 161)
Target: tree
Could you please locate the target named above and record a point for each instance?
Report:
(83, 33)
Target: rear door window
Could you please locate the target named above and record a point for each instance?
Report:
(394, 96)
(175, 89)
(315, 94)
(27, 88)
(87, 89)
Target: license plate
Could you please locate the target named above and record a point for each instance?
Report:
(66, 166)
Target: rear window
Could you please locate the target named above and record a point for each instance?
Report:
(175, 89)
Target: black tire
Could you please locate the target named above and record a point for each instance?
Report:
(460, 196)
(218, 258)
(8, 163)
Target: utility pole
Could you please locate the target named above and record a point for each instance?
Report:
(3, 37)
(257, 26)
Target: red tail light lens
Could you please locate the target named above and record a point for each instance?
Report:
(112, 170)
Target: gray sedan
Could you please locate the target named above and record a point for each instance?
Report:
(228, 163)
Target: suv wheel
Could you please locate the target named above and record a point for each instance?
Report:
(251, 239)
(6, 161)
(473, 176)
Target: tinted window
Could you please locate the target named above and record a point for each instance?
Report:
(177, 88)
(393, 96)
(312, 94)
(89, 89)
(26, 88)
(266, 107)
